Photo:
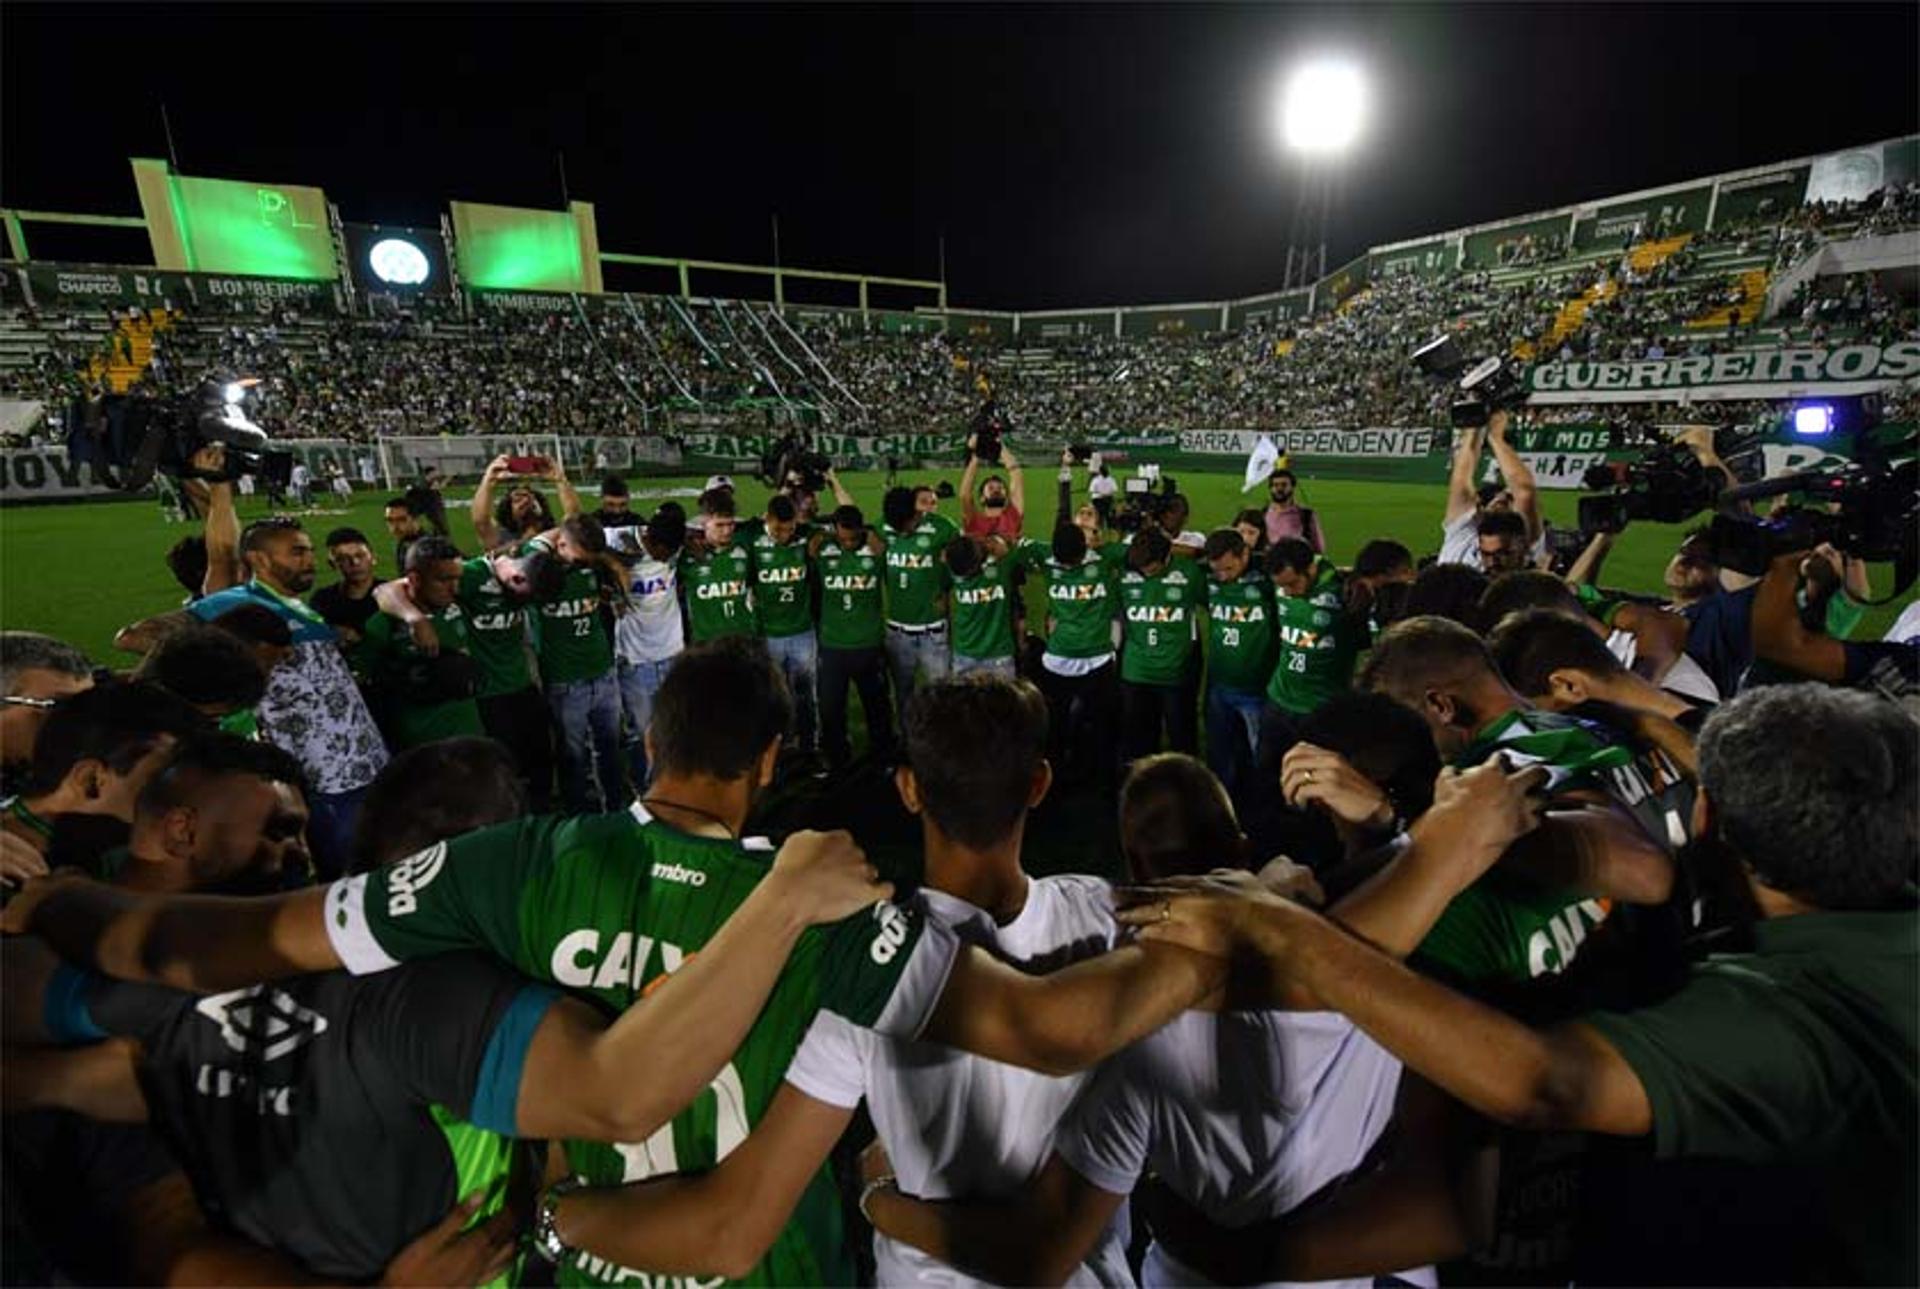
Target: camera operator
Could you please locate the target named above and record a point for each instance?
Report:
(1000, 509)
(1782, 636)
(1465, 536)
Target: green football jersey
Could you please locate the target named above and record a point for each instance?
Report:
(1240, 632)
(574, 645)
(718, 586)
(496, 630)
(850, 596)
(1157, 644)
(1318, 645)
(916, 575)
(983, 611)
(606, 905)
(782, 583)
(1503, 927)
(387, 651)
(1081, 598)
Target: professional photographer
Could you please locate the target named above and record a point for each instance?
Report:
(1466, 536)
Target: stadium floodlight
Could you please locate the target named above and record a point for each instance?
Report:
(1323, 107)
(398, 262)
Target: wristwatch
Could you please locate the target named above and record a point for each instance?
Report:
(546, 1228)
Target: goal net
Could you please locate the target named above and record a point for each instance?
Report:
(405, 459)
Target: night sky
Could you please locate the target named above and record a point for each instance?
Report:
(1071, 155)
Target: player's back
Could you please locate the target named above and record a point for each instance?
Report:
(607, 905)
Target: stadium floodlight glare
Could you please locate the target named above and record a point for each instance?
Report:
(398, 262)
(1323, 107)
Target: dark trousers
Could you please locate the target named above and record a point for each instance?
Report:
(520, 721)
(865, 669)
(1147, 710)
(1080, 724)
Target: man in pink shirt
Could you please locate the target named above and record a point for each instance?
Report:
(1287, 518)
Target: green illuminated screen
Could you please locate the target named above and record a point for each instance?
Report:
(270, 230)
(510, 248)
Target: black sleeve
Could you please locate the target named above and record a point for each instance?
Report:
(454, 1030)
(80, 1007)
(1873, 660)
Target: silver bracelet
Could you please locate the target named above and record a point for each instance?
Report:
(879, 1183)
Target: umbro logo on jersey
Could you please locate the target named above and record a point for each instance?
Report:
(411, 876)
(680, 874)
(263, 1020)
(893, 933)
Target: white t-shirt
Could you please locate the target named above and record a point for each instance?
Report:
(1102, 485)
(651, 630)
(1906, 627)
(955, 1124)
(1244, 1115)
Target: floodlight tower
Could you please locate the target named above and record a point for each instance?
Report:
(1321, 110)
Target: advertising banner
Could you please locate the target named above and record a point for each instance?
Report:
(1754, 373)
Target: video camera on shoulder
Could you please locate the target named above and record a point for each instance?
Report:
(1143, 499)
(1490, 385)
(1867, 507)
(161, 435)
(794, 462)
(989, 428)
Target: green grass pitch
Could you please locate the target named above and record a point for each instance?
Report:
(79, 572)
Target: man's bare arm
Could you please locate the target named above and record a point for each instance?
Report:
(579, 1076)
(143, 635)
(1517, 474)
(203, 943)
(1037, 1236)
(1462, 496)
(1780, 637)
(1074, 1018)
(717, 1223)
(480, 510)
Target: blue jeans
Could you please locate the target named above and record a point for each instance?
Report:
(332, 818)
(588, 713)
(909, 652)
(798, 658)
(639, 682)
(1001, 667)
(1233, 734)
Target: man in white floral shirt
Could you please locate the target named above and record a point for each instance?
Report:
(312, 708)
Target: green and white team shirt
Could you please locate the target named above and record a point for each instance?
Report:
(850, 597)
(574, 644)
(719, 589)
(1318, 645)
(607, 905)
(1504, 928)
(1240, 633)
(496, 630)
(1082, 602)
(1160, 612)
(983, 610)
(782, 582)
(387, 651)
(916, 575)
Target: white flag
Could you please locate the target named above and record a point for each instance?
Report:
(1261, 463)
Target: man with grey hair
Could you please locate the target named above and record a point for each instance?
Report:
(35, 670)
(1777, 1083)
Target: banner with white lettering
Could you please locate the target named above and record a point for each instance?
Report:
(1751, 373)
(1311, 443)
